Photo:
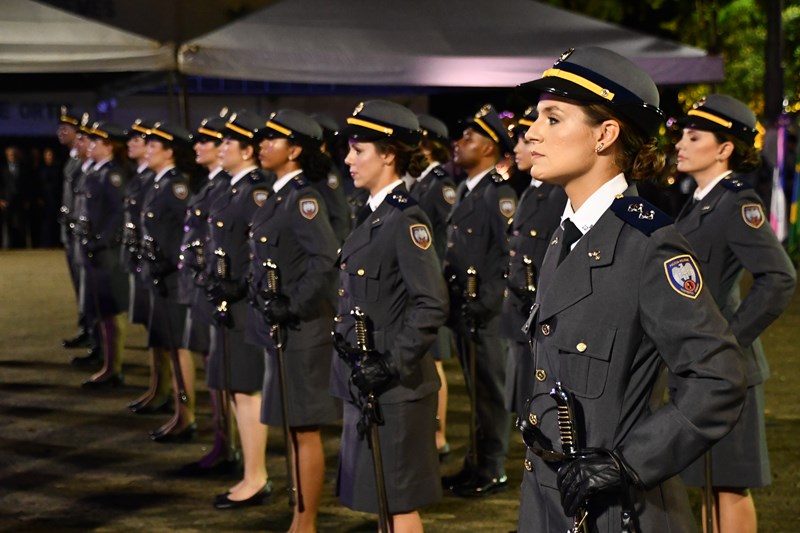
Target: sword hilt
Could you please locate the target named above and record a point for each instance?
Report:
(472, 284)
(566, 420)
(222, 263)
(530, 283)
(273, 285)
(362, 333)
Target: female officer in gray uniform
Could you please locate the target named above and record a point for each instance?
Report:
(620, 298)
(292, 232)
(233, 365)
(726, 225)
(104, 285)
(389, 271)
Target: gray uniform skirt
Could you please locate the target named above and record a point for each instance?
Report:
(167, 319)
(103, 285)
(443, 347)
(197, 329)
(740, 459)
(410, 459)
(242, 369)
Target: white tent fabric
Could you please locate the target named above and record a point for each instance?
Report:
(37, 38)
(449, 43)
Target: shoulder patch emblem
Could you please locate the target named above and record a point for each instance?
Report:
(333, 181)
(420, 236)
(449, 194)
(180, 190)
(753, 215)
(115, 179)
(309, 208)
(260, 197)
(684, 276)
(507, 206)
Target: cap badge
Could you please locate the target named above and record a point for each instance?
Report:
(358, 109)
(564, 56)
(483, 111)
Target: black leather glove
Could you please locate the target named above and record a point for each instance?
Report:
(222, 315)
(579, 479)
(218, 290)
(346, 351)
(375, 373)
(276, 311)
(473, 310)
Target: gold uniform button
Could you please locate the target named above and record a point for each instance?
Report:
(581, 347)
(360, 272)
(233, 190)
(533, 233)
(343, 266)
(220, 223)
(150, 214)
(337, 318)
(512, 253)
(450, 244)
(533, 419)
(528, 465)
(541, 375)
(156, 186)
(263, 239)
(545, 329)
(197, 212)
(341, 292)
(250, 234)
(469, 230)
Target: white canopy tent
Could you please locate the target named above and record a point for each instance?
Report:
(440, 43)
(37, 38)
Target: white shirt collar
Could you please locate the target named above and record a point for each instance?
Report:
(213, 173)
(473, 181)
(597, 204)
(699, 194)
(536, 183)
(377, 200)
(161, 174)
(286, 178)
(141, 168)
(428, 170)
(73, 153)
(241, 174)
(97, 166)
(86, 164)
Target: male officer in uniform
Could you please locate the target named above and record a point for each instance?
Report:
(477, 240)
(67, 133)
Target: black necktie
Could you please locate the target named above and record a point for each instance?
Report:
(571, 234)
(363, 214)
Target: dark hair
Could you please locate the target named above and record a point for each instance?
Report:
(745, 156)
(408, 159)
(119, 152)
(440, 152)
(639, 157)
(315, 163)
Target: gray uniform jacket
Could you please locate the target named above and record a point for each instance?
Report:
(389, 269)
(729, 233)
(72, 169)
(626, 302)
(135, 190)
(436, 195)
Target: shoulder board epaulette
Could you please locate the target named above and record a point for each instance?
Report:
(299, 182)
(640, 214)
(439, 172)
(732, 183)
(400, 199)
(497, 178)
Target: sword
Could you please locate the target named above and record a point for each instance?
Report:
(272, 289)
(471, 294)
(221, 272)
(708, 493)
(569, 444)
(530, 275)
(374, 418)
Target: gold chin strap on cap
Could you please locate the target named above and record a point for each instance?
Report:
(240, 131)
(579, 80)
(485, 127)
(280, 129)
(713, 118)
(370, 125)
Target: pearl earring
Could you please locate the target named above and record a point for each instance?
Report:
(598, 148)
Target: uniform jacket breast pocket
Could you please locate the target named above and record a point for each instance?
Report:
(363, 280)
(266, 245)
(584, 353)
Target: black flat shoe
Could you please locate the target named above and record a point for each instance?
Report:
(184, 435)
(115, 380)
(151, 407)
(464, 476)
(221, 501)
(92, 358)
(482, 486)
(81, 340)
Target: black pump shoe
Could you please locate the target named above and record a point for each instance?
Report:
(150, 407)
(184, 435)
(93, 357)
(81, 340)
(221, 501)
(115, 380)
